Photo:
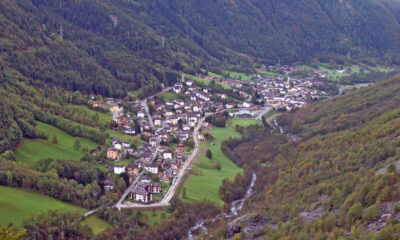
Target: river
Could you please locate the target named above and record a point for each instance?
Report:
(236, 207)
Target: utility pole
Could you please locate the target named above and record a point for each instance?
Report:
(61, 33)
(163, 41)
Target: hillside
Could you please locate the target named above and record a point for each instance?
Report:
(110, 47)
(326, 183)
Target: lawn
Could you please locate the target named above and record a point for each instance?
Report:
(31, 150)
(207, 179)
(243, 122)
(96, 224)
(242, 76)
(17, 205)
(170, 96)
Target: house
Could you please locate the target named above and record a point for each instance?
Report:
(126, 144)
(133, 169)
(112, 153)
(144, 190)
(153, 141)
(130, 131)
(167, 175)
(145, 178)
(115, 107)
(97, 104)
(108, 184)
(157, 121)
(146, 156)
(183, 135)
(117, 143)
(230, 105)
(140, 114)
(247, 104)
(119, 168)
(141, 195)
(180, 147)
(167, 154)
(152, 168)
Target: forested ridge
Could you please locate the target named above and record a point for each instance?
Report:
(331, 171)
(110, 47)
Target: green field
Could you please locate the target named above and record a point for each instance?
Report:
(31, 150)
(242, 76)
(243, 122)
(96, 224)
(17, 205)
(205, 182)
(169, 96)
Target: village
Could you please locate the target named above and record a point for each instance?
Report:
(167, 128)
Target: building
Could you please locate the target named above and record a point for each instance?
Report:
(180, 147)
(144, 190)
(119, 168)
(112, 153)
(167, 154)
(152, 168)
(108, 184)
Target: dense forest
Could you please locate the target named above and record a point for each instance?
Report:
(341, 168)
(111, 47)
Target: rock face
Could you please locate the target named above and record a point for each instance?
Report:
(310, 216)
(386, 214)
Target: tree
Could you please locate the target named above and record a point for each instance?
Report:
(209, 154)
(77, 143)
(355, 213)
(54, 139)
(218, 165)
(184, 192)
(11, 233)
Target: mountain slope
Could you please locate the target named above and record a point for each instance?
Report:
(111, 47)
(331, 172)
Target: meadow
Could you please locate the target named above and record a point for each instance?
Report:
(31, 150)
(17, 205)
(206, 178)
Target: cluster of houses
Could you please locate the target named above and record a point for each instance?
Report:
(285, 94)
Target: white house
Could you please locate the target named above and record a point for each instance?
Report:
(152, 168)
(167, 154)
(118, 169)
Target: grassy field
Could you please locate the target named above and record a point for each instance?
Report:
(31, 150)
(242, 76)
(207, 179)
(243, 122)
(96, 224)
(17, 205)
(169, 96)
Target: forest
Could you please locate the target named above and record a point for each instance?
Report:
(113, 47)
(332, 167)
